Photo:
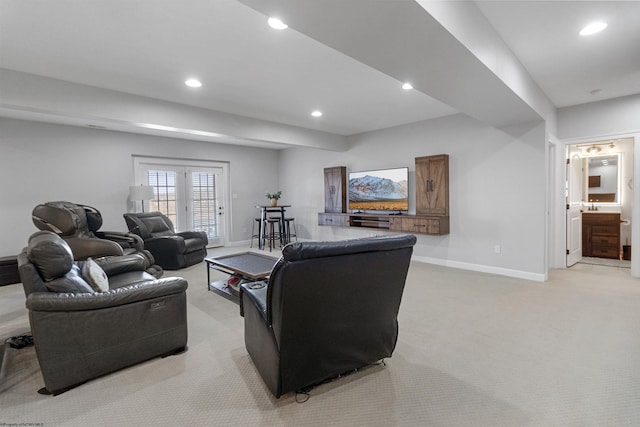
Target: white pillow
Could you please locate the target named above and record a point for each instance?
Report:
(95, 276)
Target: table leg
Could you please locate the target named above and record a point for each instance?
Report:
(208, 277)
(263, 217)
(283, 237)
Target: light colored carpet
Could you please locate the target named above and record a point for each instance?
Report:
(474, 349)
(619, 263)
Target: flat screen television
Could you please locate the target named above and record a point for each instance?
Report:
(379, 190)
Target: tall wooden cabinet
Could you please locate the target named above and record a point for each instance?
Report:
(335, 189)
(432, 185)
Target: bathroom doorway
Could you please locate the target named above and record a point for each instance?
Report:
(599, 202)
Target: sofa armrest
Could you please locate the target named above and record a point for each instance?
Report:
(83, 248)
(194, 235)
(57, 302)
(173, 244)
(124, 239)
(256, 292)
(115, 265)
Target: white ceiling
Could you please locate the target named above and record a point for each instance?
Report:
(149, 47)
(566, 66)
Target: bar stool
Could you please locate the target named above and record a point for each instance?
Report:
(271, 232)
(254, 234)
(287, 227)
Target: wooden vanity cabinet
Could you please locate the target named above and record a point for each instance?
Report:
(601, 235)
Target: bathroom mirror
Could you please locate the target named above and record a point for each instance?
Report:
(602, 179)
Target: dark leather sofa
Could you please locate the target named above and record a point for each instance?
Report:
(171, 250)
(328, 308)
(80, 334)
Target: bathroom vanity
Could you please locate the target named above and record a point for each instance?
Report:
(601, 234)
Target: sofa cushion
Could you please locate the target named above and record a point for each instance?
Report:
(95, 276)
(129, 278)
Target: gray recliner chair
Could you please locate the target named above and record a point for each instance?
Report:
(80, 226)
(327, 309)
(79, 333)
(171, 250)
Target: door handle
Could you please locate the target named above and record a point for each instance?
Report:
(429, 185)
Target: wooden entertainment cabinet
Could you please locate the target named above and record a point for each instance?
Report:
(432, 203)
(420, 224)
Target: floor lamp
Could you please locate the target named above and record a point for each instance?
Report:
(142, 193)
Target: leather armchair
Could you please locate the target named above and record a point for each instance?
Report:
(328, 308)
(79, 225)
(82, 335)
(171, 250)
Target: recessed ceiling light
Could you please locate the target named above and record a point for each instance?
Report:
(193, 83)
(407, 86)
(316, 113)
(592, 28)
(276, 23)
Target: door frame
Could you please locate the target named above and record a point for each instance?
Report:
(560, 211)
(139, 178)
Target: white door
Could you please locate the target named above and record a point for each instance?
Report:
(192, 197)
(574, 205)
(205, 193)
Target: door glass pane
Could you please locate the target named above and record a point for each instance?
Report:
(204, 203)
(164, 187)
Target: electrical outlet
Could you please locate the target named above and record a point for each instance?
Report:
(244, 230)
(497, 249)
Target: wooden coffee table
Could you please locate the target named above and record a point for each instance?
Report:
(249, 266)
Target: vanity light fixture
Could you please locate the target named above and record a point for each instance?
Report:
(276, 23)
(193, 83)
(593, 28)
(594, 149)
(316, 113)
(407, 86)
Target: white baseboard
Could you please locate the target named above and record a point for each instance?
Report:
(527, 275)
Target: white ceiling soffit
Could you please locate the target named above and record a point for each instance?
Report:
(402, 40)
(247, 68)
(33, 114)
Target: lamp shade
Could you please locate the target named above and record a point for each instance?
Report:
(141, 192)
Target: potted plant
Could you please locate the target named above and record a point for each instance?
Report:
(274, 197)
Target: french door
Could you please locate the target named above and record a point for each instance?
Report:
(191, 195)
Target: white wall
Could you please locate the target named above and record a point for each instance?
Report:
(612, 117)
(497, 190)
(44, 162)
